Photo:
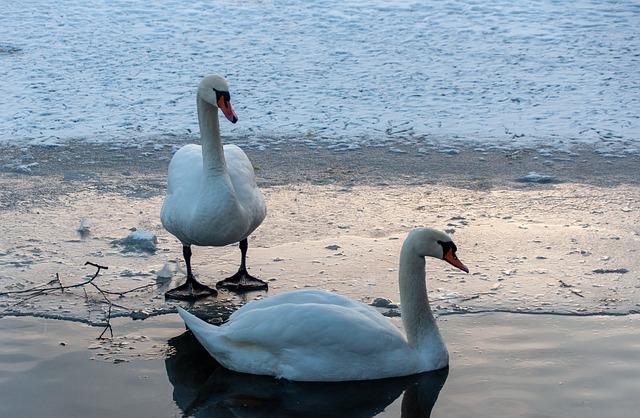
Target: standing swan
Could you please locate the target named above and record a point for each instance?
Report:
(312, 335)
(212, 198)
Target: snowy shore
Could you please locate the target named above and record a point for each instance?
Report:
(567, 244)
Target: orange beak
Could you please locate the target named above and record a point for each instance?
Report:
(226, 108)
(452, 259)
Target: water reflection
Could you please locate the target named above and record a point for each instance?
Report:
(202, 388)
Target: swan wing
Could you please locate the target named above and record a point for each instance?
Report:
(184, 183)
(244, 184)
(216, 213)
(185, 170)
(311, 296)
(311, 341)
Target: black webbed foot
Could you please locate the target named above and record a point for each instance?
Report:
(242, 281)
(191, 290)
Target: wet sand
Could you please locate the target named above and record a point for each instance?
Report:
(501, 365)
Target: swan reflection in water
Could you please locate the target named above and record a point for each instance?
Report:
(203, 388)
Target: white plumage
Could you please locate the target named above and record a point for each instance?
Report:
(313, 335)
(212, 210)
(212, 197)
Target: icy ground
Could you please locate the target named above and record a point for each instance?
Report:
(339, 72)
(560, 248)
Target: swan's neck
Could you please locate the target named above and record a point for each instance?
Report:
(418, 320)
(212, 151)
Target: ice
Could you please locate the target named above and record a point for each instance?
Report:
(138, 241)
(339, 73)
(448, 296)
(165, 273)
(21, 168)
(84, 229)
(534, 177)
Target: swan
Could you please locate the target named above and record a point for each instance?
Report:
(212, 197)
(202, 388)
(313, 335)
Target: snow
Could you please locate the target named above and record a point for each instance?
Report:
(340, 73)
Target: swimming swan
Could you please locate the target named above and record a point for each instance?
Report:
(212, 198)
(312, 335)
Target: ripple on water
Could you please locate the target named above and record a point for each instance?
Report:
(511, 72)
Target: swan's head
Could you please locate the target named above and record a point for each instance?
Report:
(427, 242)
(214, 90)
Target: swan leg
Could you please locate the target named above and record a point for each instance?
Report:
(242, 281)
(191, 289)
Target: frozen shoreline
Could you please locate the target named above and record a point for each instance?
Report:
(336, 221)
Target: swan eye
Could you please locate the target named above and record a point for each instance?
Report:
(447, 247)
(224, 94)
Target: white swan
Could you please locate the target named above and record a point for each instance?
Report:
(212, 198)
(312, 335)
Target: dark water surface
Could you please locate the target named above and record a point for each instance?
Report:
(502, 365)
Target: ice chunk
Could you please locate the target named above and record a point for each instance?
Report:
(534, 177)
(84, 229)
(165, 273)
(138, 241)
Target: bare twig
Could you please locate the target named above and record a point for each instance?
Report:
(59, 282)
(41, 289)
(108, 292)
(569, 286)
(108, 326)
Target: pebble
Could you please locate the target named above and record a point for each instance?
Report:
(139, 314)
(383, 303)
(605, 271)
(392, 313)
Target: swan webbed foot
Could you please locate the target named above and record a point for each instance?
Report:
(191, 290)
(242, 281)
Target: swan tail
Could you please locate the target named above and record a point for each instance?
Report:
(210, 336)
(198, 327)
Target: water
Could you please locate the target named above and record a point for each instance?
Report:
(501, 365)
(340, 72)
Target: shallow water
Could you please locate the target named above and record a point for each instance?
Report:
(501, 365)
(342, 72)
